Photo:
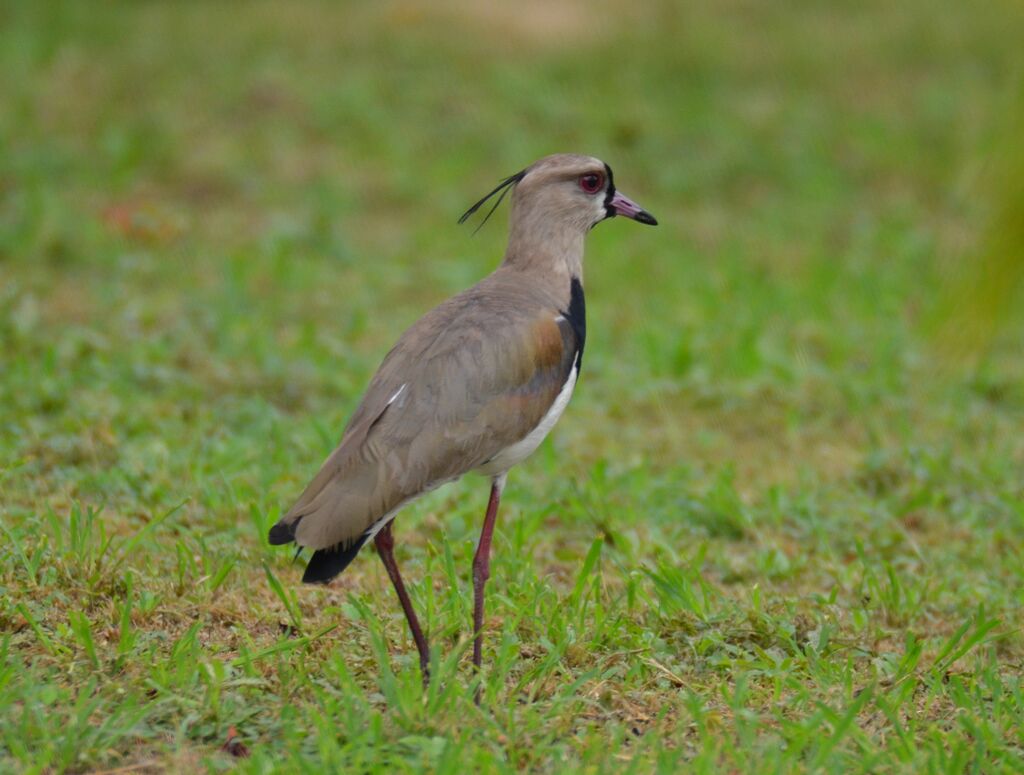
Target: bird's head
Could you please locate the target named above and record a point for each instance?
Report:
(564, 191)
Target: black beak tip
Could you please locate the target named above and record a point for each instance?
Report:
(645, 217)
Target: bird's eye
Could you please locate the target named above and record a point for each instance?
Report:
(591, 182)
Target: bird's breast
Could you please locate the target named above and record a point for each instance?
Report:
(522, 449)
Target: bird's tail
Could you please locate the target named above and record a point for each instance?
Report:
(325, 564)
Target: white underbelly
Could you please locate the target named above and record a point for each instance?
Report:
(522, 449)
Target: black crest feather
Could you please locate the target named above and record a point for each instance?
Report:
(507, 185)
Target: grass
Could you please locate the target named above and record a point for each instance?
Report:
(781, 527)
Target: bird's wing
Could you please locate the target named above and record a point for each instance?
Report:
(447, 398)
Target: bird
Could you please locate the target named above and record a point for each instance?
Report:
(476, 384)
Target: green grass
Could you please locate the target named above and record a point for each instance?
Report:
(781, 527)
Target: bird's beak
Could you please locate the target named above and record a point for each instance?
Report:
(623, 205)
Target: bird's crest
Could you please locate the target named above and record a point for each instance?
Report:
(505, 186)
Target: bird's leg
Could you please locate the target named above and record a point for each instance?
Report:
(482, 570)
(385, 543)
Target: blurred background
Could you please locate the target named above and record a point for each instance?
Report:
(213, 214)
(799, 422)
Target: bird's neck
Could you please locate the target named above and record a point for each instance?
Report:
(549, 248)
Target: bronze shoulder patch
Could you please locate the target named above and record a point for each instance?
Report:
(547, 343)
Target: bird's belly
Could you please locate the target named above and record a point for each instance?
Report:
(525, 447)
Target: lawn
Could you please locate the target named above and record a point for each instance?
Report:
(781, 526)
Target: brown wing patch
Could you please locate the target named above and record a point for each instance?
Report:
(547, 344)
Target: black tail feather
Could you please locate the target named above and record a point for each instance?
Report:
(283, 532)
(325, 564)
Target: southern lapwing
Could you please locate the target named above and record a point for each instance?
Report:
(474, 385)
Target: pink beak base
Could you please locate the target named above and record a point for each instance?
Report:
(626, 207)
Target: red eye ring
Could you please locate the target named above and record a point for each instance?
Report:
(592, 182)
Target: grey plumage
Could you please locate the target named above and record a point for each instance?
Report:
(469, 391)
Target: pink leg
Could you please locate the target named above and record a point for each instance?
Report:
(482, 570)
(385, 542)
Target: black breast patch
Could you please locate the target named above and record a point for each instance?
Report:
(577, 317)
